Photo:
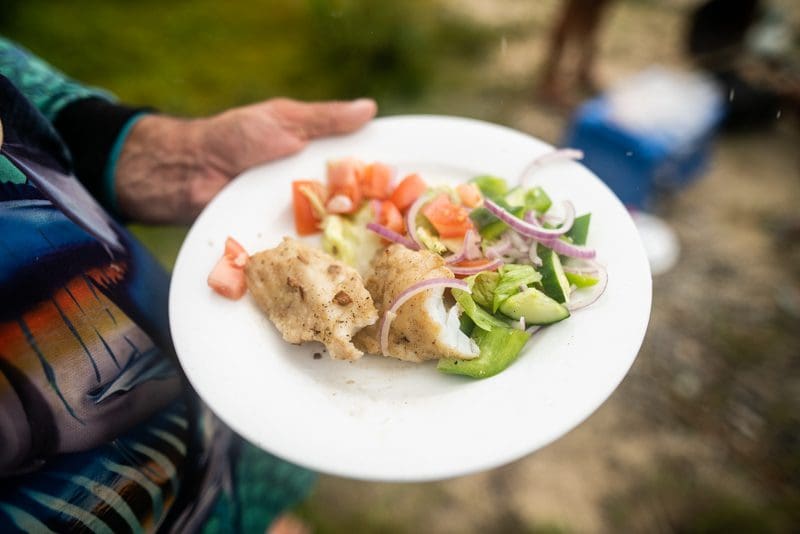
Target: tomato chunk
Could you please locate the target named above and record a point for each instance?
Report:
(236, 253)
(450, 220)
(390, 217)
(407, 191)
(227, 279)
(307, 215)
(343, 179)
(376, 181)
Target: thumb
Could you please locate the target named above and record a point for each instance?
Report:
(320, 119)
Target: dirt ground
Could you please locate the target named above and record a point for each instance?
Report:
(704, 433)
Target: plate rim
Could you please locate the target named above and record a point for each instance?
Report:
(490, 461)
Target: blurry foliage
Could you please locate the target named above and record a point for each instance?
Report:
(387, 48)
(199, 56)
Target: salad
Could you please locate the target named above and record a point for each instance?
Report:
(520, 261)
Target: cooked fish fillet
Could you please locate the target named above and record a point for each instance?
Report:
(310, 296)
(423, 329)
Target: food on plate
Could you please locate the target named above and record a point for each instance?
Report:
(464, 275)
(422, 328)
(227, 278)
(310, 296)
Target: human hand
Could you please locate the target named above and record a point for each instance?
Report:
(170, 168)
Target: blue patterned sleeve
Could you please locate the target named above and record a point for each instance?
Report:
(89, 121)
(48, 89)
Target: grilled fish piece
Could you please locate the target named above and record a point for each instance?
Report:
(423, 328)
(310, 296)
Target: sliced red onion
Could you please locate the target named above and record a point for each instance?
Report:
(585, 267)
(467, 271)
(339, 204)
(407, 294)
(533, 255)
(561, 247)
(568, 216)
(584, 297)
(519, 243)
(411, 220)
(472, 242)
(391, 235)
(467, 251)
(567, 219)
(497, 250)
(558, 154)
(568, 249)
(529, 229)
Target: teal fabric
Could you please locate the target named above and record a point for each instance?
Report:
(262, 487)
(46, 88)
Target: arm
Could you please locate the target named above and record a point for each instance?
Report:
(169, 168)
(155, 168)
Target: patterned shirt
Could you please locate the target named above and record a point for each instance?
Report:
(98, 430)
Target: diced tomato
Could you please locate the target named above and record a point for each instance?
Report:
(227, 279)
(469, 194)
(390, 217)
(236, 253)
(306, 216)
(343, 179)
(450, 220)
(407, 191)
(376, 181)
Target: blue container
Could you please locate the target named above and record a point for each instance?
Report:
(636, 167)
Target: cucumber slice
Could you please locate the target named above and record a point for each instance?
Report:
(581, 280)
(554, 281)
(535, 306)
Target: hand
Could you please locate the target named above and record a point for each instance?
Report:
(170, 168)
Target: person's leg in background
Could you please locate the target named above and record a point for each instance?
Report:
(576, 27)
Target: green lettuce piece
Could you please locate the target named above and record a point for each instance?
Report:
(483, 287)
(430, 241)
(510, 279)
(349, 240)
(482, 319)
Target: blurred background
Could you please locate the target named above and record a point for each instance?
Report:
(687, 108)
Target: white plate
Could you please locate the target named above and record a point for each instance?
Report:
(383, 419)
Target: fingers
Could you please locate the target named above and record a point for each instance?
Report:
(320, 119)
